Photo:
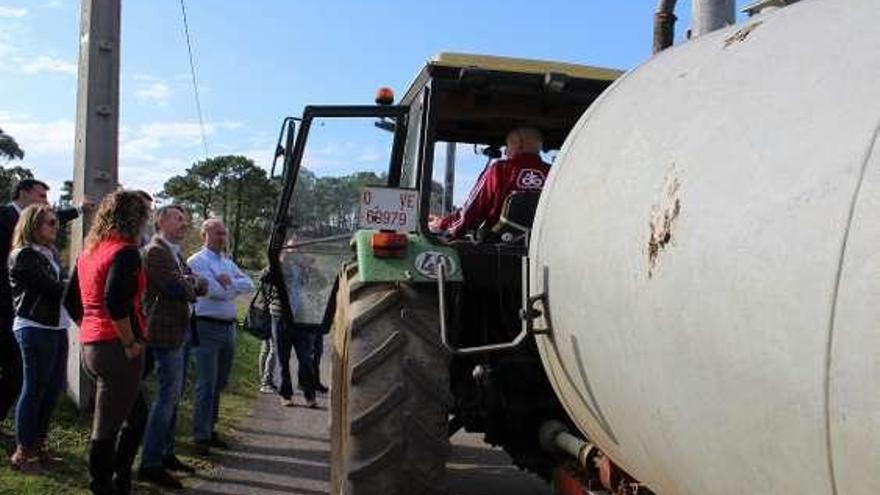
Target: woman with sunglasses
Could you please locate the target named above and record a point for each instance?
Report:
(40, 326)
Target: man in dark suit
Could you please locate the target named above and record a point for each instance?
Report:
(26, 193)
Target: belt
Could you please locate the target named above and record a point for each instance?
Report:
(215, 320)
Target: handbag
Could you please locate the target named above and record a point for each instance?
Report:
(259, 321)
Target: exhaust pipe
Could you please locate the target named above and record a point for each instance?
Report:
(664, 25)
(709, 15)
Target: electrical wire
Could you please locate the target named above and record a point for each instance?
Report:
(192, 70)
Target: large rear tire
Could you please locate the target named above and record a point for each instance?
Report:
(390, 398)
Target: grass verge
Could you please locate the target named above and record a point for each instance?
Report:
(69, 435)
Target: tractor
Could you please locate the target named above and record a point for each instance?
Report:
(429, 335)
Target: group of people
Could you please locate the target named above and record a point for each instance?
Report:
(139, 306)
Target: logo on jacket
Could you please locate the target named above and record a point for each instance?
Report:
(530, 179)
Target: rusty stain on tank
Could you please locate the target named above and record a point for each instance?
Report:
(742, 34)
(663, 216)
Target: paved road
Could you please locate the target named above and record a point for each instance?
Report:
(276, 450)
(287, 450)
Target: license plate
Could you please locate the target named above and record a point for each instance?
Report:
(388, 208)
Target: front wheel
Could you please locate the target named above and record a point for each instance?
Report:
(390, 398)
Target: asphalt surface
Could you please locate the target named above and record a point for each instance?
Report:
(287, 450)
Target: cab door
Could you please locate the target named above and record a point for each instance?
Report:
(336, 151)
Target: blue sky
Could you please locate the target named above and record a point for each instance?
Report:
(260, 60)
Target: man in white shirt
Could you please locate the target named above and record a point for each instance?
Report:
(215, 324)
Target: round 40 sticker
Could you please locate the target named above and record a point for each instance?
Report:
(426, 263)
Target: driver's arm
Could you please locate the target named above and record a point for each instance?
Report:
(479, 203)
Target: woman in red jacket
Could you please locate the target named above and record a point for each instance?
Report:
(111, 282)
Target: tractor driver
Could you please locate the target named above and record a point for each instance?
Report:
(522, 170)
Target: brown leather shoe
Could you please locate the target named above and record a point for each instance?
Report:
(202, 448)
(159, 476)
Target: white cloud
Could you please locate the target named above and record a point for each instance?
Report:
(336, 159)
(180, 76)
(149, 138)
(12, 12)
(16, 49)
(150, 153)
(6, 116)
(48, 147)
(158, 136)
(149, 172)
(9, 36)
(369, 156)
(40, 138)
(43, 64)
(157, 92)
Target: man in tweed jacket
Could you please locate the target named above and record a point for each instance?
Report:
(171, 289)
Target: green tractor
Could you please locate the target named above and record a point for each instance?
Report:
(429, 335)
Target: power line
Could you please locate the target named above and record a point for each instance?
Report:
(192, 70)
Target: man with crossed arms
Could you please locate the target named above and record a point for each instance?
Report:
(215, 324)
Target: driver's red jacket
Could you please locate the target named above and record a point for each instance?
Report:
(523, 172)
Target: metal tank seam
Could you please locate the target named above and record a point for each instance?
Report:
(834, 301)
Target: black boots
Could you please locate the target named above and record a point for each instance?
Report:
(126, 449)
(110, 463)
(101, 466)
(110, 460)
(127, 446)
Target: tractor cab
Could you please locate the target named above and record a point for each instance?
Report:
(461, 108)
(427, 331)
(448, 125)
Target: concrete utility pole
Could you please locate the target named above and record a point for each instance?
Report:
(709, 15)
(97, 139)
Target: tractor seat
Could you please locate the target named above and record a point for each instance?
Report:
(517, 216)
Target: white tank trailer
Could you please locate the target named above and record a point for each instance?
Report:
(709, 246)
